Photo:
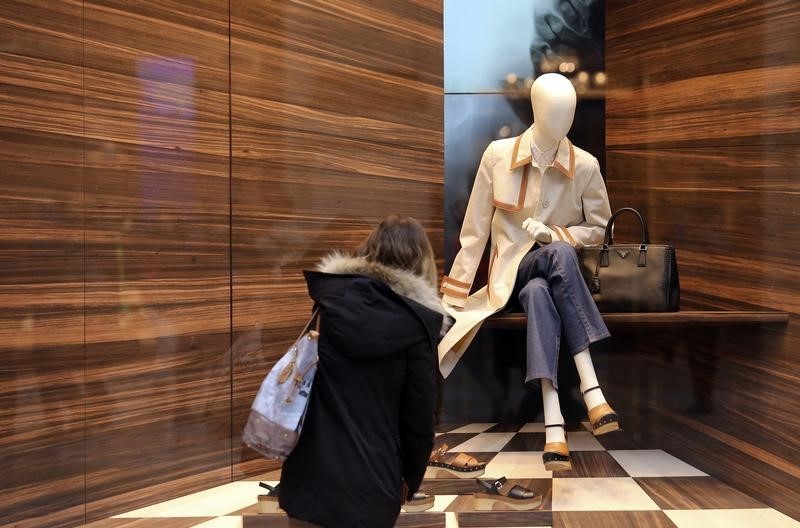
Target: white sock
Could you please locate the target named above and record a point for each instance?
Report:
(593, 398)
(552, 413)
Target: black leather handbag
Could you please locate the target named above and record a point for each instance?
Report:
(631, 277)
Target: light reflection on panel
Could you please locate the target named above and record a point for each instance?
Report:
(492, 46)
(485, 41)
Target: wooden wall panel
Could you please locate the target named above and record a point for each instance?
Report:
(41, 264)
(336, 123)
(687, 74)
(115, 300)
(157, 251)
(702, 138)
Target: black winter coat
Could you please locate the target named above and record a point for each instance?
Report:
(370, 419)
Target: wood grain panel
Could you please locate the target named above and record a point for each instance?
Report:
(685, 74)
(730, 212)
(336, 123)
(41, 265)
(506, 519)
(404, 520)
(157, 246)
(695, 493)
(703, 140)
(633, 519)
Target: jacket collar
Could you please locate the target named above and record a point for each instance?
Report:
(402, 282)
(565, 157)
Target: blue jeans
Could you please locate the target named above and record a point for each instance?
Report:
(553, 294)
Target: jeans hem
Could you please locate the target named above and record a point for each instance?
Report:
(590, 341)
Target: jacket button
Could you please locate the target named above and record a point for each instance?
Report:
(546, 204)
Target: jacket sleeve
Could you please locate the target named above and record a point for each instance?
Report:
(475, 233)
(596, 213)
(417, 414)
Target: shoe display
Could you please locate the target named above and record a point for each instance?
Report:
(443, 464)
(419, 502)
(269, 503)
(498, 494)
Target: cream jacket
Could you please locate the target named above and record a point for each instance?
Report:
(569, 197)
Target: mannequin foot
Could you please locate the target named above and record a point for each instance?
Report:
(593, 396)
(556, 454)
(601, 415)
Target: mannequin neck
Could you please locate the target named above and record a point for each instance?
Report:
(542, 141)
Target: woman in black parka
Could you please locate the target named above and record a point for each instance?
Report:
(368, 432)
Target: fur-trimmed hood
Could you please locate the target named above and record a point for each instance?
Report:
(402, 282)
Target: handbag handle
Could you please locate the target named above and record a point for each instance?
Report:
(609, 238)
(314, 317)
(602, 256)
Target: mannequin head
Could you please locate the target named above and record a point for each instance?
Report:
(553, 99)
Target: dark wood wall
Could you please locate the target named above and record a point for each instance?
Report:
(703, 137)
(167, 170)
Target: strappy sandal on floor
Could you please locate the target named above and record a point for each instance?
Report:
(602, 417)
(269, 503)
(556, 454)
(419, 502)
(495, 495)
(453, 465)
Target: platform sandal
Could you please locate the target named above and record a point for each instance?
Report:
(556, 454)
(494, 495)
(269, 503)
(602, 417)
(453, 465)
(419, 502)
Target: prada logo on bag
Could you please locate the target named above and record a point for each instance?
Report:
(623, 252)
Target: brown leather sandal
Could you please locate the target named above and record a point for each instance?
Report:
(556, 454)
(499, 496)
(453, 465)
(602, 417)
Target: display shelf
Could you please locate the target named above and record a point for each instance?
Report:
(681, 318)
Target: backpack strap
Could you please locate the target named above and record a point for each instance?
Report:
(314, 320)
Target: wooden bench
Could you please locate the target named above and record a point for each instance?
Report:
(681, 318)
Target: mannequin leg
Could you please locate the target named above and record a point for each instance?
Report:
(543, 341)
(552, 413)
(556, 452)
(557, 264)
(543, 332)
(593, 398)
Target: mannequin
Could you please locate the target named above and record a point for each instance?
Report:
(538, 198)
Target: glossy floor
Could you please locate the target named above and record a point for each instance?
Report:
(607, 487)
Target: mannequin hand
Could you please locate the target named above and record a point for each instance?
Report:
(537, 230)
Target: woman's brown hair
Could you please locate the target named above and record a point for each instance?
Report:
(401, 242)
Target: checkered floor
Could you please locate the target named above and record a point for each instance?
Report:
(609, 485)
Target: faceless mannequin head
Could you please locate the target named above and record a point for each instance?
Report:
(553, 99)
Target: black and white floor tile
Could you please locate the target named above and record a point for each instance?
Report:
(607, 487)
